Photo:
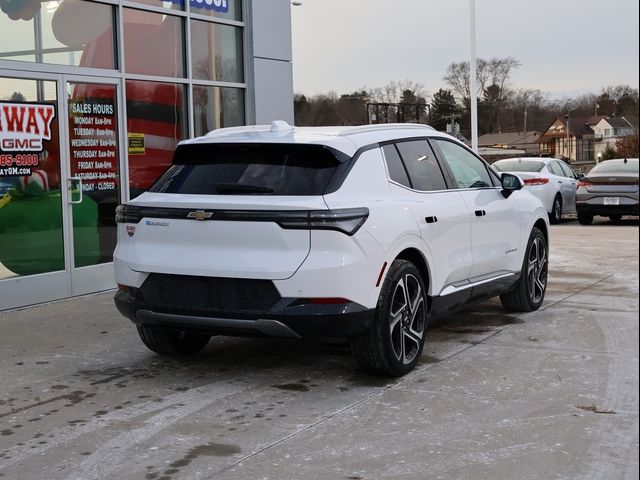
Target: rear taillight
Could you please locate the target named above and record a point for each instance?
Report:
(128, 214)
(536, 181)
(584, 183)
(345, 220)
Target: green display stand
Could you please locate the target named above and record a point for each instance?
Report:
(31, 238)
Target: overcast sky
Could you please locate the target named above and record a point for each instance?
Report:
(566, 47)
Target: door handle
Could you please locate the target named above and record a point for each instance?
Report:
(480, 213)
(71, 180)
(559, 181)
(431, 219)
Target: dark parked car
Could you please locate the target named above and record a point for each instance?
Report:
(609, 189)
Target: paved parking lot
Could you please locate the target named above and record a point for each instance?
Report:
(550, 394)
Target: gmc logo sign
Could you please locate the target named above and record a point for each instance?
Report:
(21, 144)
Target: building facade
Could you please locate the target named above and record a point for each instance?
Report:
(94, 97)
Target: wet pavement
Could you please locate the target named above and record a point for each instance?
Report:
(550, 394)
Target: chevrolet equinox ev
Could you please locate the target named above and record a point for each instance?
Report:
(360, 233)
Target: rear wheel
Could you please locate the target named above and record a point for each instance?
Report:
(585, 218)
(172, 343)
(393, 344)
(528, 293)
(556, 211)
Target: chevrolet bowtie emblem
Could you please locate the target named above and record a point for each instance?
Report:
(200, 215)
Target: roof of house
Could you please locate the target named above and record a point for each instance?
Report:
(618, 122)
(578, 126)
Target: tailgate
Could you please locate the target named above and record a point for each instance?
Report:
(214, 237)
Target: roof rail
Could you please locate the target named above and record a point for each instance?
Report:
(383, 126)
(247, 128)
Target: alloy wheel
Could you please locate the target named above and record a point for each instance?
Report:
(557, 210)
(537, 270)
(407, 319)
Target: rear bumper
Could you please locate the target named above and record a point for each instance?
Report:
(286, 319)
(604, 210)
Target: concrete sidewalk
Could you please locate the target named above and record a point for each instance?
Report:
(551, 394)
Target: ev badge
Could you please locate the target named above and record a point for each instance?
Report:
(200, 215)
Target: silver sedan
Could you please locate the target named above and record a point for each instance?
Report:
(549, 179)
(609, 189)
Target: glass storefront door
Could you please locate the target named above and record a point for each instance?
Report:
(59, 185)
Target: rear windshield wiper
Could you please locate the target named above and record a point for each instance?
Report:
(241, 188)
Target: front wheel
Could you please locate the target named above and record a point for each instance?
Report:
(556, 211)
(528, 293)
(393, 344)
(172, 343)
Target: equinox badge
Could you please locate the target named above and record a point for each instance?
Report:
(200, 215)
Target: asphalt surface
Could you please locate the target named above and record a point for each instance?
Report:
(550, 394)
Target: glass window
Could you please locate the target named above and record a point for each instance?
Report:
(31, 240)
(153, 43)
(468, 170)
(422, 166)
(216, 52)
(227, 9)
(249, 169)
(518, 165)
(616, 167)
(66, 37)
(554, 168)
(397, 172)
(167, 4)
(215, 107)
(156, 121)
(94, 158)
(566, 170)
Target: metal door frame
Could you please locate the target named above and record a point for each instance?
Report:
(100, 277)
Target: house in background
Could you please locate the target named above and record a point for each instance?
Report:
(607, 131)
(525, 141)
(587, 137)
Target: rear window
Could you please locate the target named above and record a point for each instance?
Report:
(518, 165)
(250, 169)
(611, 167)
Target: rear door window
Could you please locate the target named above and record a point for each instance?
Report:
(397, 172)
(566, 170)
(421, 164)
(554, 167)
(250, 169)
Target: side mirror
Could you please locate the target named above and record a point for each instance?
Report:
(579, 175)
(510, 183)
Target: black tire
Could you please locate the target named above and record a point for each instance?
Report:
(393, 344)
(585, 218)
(172, 343)
(556, 211)
(528, 293)
(615, 218)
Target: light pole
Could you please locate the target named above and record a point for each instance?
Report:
(566, 117)
(472, 73)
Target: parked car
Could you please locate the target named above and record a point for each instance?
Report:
(609, 189)
(549, 179)
(361, 233)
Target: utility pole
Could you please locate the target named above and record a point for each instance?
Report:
(566, 117)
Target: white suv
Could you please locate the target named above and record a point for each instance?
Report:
(363, 233)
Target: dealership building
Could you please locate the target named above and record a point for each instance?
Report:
(94, 97)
